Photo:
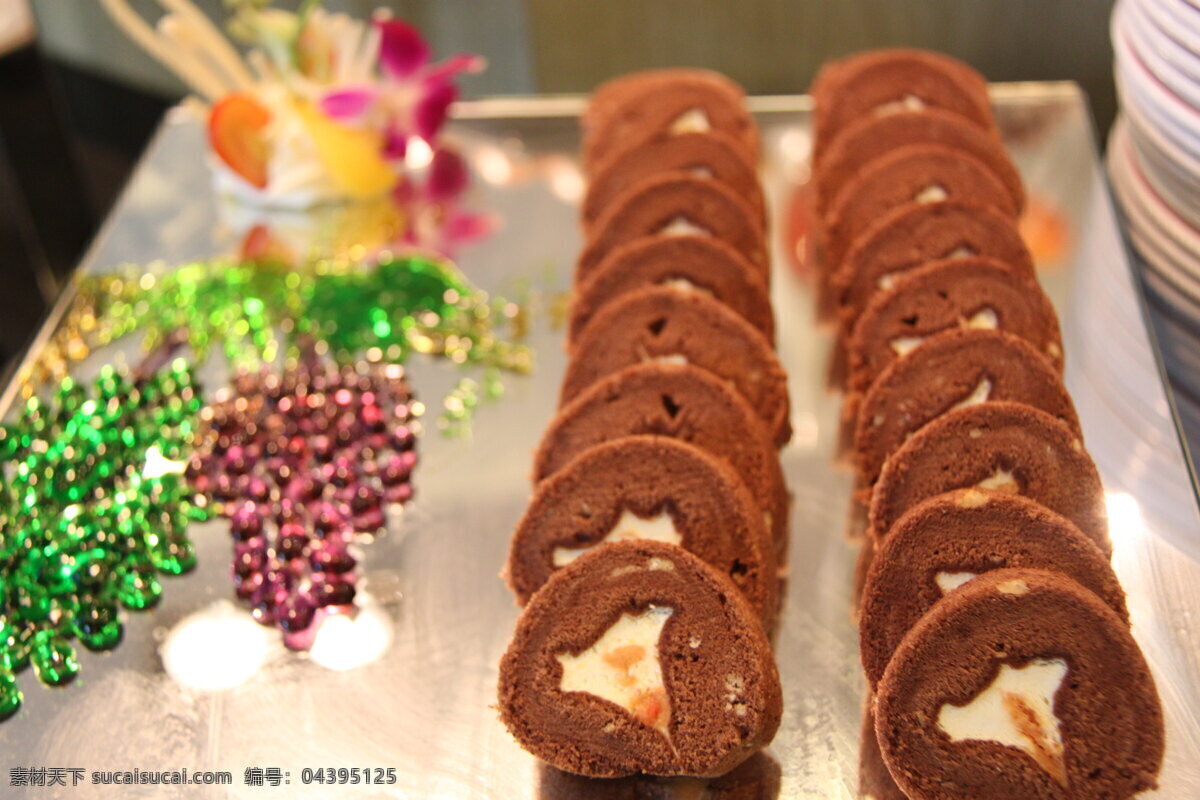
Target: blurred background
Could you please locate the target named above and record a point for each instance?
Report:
(78, 102)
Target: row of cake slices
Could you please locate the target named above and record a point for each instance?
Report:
(993, 631)
(648, 559)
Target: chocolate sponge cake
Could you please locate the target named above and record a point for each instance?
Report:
(1004, 447)
(915, 234)
(874, 780)
(640, 658)
(669, 323)
(702, 262)
(952, 369)
(756, 778)
(1022, 683)
(949, 539)
(709, 154)
(626, 111)
(677, 400)
(675, 203)
(969, 292)
(879, 82)
(646, 487)
(869, 137)
(913, 173)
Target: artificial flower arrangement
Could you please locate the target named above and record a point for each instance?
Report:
(323, 108)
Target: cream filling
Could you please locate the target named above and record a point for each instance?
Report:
(652, 564)
(660, 528)
(984, 319)
(1002, 481)
(682, 285)
(682, 226)
(972, 499)
(949, 581)
(735, 701)
(887, 280)
(978, 395)
(933, 193)
(1016, 710)
(903, 345)
(910, 102)
(694, 120)
(1015, 586)
(623, 667)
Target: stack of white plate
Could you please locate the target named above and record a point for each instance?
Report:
(1154, 165)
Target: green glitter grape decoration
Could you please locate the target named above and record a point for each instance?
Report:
(400, 305)
(93, 508)
(256, 311)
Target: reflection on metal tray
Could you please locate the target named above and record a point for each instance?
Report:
(424, 707)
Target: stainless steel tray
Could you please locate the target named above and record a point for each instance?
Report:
(442, 617)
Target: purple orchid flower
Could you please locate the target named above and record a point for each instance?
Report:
(435, 218)
(414, 96)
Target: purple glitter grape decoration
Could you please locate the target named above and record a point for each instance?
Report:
(304, 464)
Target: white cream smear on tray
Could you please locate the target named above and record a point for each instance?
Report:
(623, 667)
(659, 528)
(1016, 710)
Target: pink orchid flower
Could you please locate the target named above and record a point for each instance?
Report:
(434, 217)
(414, 96)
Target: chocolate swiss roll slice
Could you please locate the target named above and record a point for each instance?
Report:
(646, 487)
(756, 778)
(874, 780)
(954, 293)
(677, 400)
(707, 154)
(922, 173)
(911, 236)
(1022, 683)
(947, 540)
(880, 82)
(1005, 447)
(675, 203)
(670, 323)
(870, 137)
(953, 369)
(701, 262)
(640, 658)
(626, 111)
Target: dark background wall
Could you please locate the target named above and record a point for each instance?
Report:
(77, 109)
(776, 46)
